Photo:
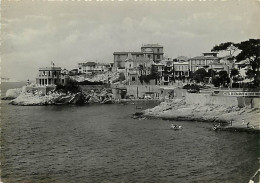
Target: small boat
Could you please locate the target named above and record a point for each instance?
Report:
(176, 127)
(216, 127)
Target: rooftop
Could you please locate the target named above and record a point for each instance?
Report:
(49, 69)
(204, 58)
(126, 53)
(181, 63)
(88, 64)
(182, 58)
(152, 46)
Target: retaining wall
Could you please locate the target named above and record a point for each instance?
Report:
(141, 89)
(210, 100)
(202, 99)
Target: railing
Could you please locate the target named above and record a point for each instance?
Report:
(48, 76)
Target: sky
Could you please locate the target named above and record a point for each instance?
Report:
(36, 33)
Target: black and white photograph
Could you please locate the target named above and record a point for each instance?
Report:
(130, 91)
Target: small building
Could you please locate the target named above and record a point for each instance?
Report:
(92, 67)
(169, 92)
(64, 72)
(119, 92)
(168, 71)
(216, 66)
(73, 72)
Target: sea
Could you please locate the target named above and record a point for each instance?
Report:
(101, 143)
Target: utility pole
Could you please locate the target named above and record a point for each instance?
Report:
(137, 92)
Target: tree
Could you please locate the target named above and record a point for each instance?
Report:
(250, 51)
(71, 85)
(249, 54)
(223, 77)
(234, 72)
(228, 46)
(200, 74)
(141, 69)
(154, 73)
(211, 73)
(121, 76)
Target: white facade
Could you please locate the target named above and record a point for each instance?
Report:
(92, 67)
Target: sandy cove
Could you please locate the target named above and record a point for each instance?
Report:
(178, 109)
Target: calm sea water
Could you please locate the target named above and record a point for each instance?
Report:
(101, 143)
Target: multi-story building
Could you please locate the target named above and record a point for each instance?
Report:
(181, 68)
(120, 58)
(152, 52)
(135, 67)
(203, 61)
(168, 71)
(49, 76)
(92, 67)
(159, 68)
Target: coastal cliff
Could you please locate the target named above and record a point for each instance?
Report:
(58, 97)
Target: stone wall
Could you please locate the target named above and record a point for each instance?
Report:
(92, 87)
(43, 89)
(141, 89)
(210, 100)
(203, 99)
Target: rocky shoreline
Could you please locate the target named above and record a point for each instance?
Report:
(180, 111)
(57, 97)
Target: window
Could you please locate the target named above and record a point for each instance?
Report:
(158, 56)
(133, 78)
(158, 50)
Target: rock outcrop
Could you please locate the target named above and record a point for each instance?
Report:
(179, 110)
(12, 93)
(59, 98)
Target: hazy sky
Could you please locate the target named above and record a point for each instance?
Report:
(36, 33)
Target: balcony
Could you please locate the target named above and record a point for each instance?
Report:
(48, 76)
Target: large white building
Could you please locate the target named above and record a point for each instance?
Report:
(49, 76)
(92, 67)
